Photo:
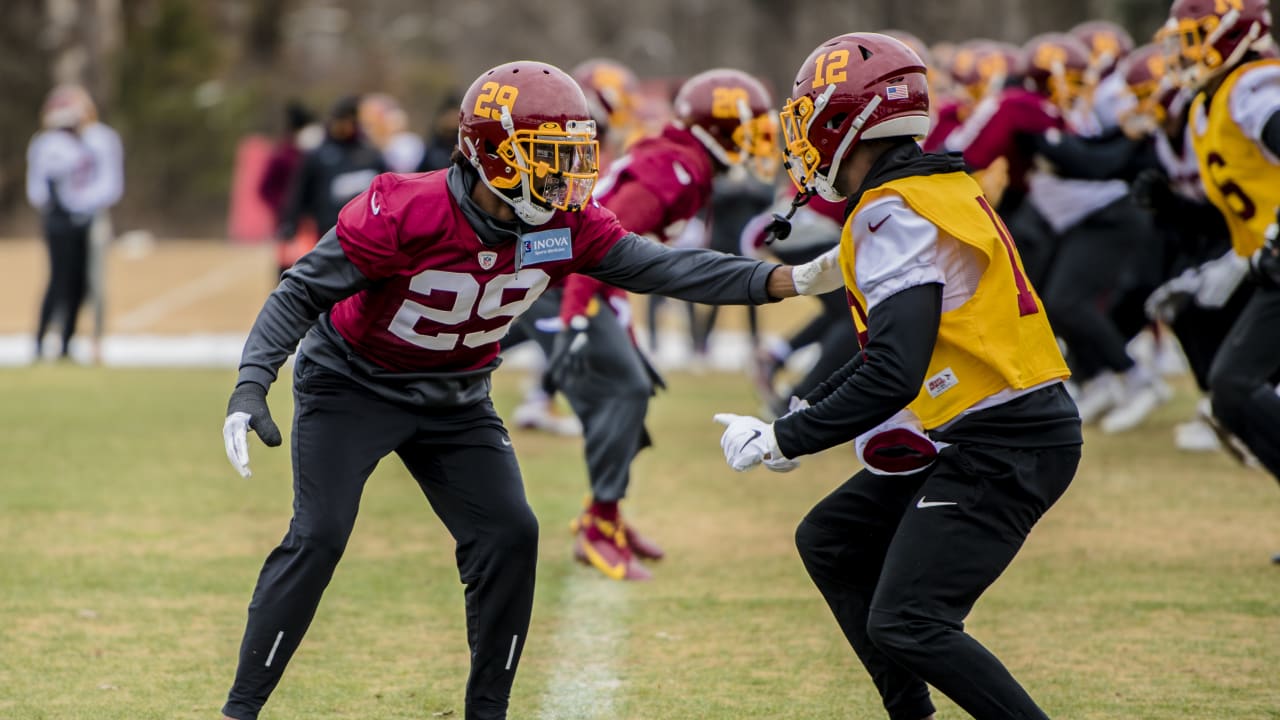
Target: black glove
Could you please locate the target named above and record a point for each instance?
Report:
(1264, 265)
(251, 398)
(569, 353)
(247, 409)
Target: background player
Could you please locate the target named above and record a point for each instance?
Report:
(721, 121)
(1234, 124)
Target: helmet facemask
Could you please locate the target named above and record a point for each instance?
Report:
(1191, 46)
(803, 160)
(554, 168)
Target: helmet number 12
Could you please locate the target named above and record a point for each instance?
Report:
(834, 63)
(491, 94)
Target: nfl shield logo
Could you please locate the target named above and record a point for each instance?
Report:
(487, 259)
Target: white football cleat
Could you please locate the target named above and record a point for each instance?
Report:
(538, 415)
(1097, 396)
(1139, 396)
(1196, 436)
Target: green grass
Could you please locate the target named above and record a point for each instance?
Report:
(129, 547)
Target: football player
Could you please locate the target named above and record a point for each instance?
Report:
(1234, 124)
(953, 334)
(722, 121)
(399, 311)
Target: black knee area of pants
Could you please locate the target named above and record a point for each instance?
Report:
(826, 553)
(900, 636)
(1231, 395)
(517, 534)
(325, 538)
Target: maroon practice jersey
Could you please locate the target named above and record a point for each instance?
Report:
(997, 129)
(674, 168)
(441, 299)
(654, 189)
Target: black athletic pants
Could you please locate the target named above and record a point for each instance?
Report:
(1243, 378)
(901, 560)
(1201, 332)
(611, 397)
(463, 461)
(68, 245)
(1091, 260)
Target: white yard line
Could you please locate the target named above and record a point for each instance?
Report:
(585, 681)
(182, 296)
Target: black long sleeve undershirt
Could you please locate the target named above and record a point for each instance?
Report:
(1271, 133)
(885, 378)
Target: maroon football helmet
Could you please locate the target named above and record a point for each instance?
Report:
(1056, 65)
(1107, 43)
(1209, 37)
(612, 86)
(525, 126)
(729, 111)
(982, 67)
(859, 86)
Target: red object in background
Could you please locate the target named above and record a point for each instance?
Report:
(287, 253)
(249, 219)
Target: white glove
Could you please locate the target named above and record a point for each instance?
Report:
(235, 436)
(820, 275)
(748, 441)
(1167, 301)
(1220, 278)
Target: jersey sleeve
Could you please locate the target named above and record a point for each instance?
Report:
(637, 208)
(896, 249)
(1254, 99)
(368, 228)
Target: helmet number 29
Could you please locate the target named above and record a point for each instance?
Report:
(493, 94)
(834, 63)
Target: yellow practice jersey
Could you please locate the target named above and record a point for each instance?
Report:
(997, 339)
(1238, 176)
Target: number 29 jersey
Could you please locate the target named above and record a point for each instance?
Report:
(1240, 178)
(440, 298)
(994, 340)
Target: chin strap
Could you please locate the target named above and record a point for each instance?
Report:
(780, 227)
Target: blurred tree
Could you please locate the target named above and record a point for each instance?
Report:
(175, 116)
(24, 75)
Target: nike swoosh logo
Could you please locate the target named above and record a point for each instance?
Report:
(925, 504)
(506, 442)
(754, 434)
(373, 203)
(878, 225)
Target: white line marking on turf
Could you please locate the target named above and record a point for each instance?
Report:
(214, 281)
(511, 654)
(583, 683)
(274, 646)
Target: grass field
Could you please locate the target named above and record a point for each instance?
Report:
(129, 547)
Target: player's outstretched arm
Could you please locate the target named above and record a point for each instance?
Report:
(705, 276)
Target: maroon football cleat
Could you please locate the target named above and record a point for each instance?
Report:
(643, 547)
(603, 545)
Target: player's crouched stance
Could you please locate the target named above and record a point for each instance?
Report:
(958, 390)
(402, 306)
